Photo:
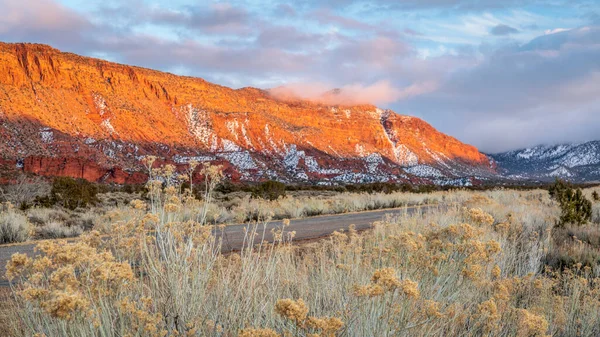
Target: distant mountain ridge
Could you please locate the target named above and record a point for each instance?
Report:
(576, 162)
(66, 115)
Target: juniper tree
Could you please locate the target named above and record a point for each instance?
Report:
(575, 208)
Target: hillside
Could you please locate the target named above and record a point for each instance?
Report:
(64, 114)
(575, 162)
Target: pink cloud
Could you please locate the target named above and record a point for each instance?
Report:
(325, 16)
(38, 15)
(378, 93)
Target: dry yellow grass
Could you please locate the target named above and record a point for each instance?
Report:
(474, 269)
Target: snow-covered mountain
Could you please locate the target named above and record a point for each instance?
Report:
(575, 162)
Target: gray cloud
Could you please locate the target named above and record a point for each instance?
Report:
(594, 18)
(544, 92)
(462, 5)
(219, 18)
(325, 16)
(286, 10)
(501, 30)
(41, 21)
(288, 37)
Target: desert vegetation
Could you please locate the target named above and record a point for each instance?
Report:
(493, 263)
(14, 227)
(68, 207)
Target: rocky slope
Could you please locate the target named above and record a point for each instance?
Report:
(575, 162)
(63, 114)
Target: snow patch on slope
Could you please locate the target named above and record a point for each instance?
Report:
(108, 126)
(199, 124)
(100, 103)
(373, 160)
(240, 159)
(560, 172)
(292, 158)
(47, 135)
(232, 126)
(424, 171)
(313, 166)
(404, 156)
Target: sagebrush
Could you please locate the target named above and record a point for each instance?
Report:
(474, 266)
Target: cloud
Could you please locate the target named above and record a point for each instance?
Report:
(501, 30)
(378, 93)
(380, 53)
(289, 37)
(462, 5)
(220, 18)
(543, 92)
(286, 9)
(41, 21)
(498, 94)
(555, 30)
(326, 17)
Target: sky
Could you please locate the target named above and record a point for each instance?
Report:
(498, 74)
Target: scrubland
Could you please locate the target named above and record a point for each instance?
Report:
(482, 264)
(55, 222)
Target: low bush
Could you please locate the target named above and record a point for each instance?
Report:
(270, 190)
(574, 246)
(14, 227)
(575, 208)
(57, 230)
(42, 216)
(73, 193)
(24, 190)
(86, 220)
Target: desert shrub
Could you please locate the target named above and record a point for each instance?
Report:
(132, 188)
(574, 246)
(378, 188)
(73, 193)
(14, 227)
(420, 274)
(86, 220)
(42, 216)
(114, 199)
(596, 213)
(596, 196)
(270, 190)
(24, 190)
(227, 187)
(58, 230)
(575, 208)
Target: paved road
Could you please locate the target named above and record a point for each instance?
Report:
(233, 235)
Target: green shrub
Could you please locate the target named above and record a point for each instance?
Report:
(226, 187)
(575, 208)
(133, 188)
(73, 193)
(270, 190)
(596, 196)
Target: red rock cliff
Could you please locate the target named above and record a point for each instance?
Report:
(63, 114)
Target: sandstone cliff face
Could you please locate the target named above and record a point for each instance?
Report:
(63, 114)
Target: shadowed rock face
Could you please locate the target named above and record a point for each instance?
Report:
(63, 114)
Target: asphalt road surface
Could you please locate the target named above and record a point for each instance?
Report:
(233, 235)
